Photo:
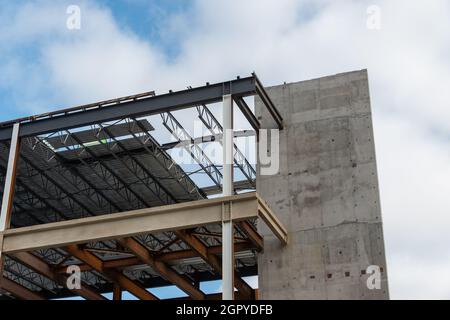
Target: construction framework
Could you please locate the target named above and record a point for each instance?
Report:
(90, 189)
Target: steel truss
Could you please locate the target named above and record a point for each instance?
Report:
(52, 187)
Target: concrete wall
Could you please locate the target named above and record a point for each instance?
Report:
(326, 193)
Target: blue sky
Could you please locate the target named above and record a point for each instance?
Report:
(126, 47)
(147, 19)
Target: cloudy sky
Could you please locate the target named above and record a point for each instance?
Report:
(131, 46)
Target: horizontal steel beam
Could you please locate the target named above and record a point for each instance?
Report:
(271, 220)
(142, 107)
(245, 109)
(163, 269)
(268, 103)
(40, 266)
(206, 139)
(117, 277)
(19, 291)
(238, 185)
(163, 257)
(151, 220)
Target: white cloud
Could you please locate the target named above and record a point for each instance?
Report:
(287, 40)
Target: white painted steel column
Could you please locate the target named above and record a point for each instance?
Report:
(228, 190)
(8, 191)
(10, 179)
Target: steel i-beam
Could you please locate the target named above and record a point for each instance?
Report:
(228, 190)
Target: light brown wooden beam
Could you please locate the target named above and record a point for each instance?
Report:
(114, 275)
(214, 261)
(40, 266)
(161, 268)
(19, 291)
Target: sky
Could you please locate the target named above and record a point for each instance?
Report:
(132, 46)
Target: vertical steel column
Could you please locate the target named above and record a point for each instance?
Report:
(117, 292)
(8, 191)
(228, 190)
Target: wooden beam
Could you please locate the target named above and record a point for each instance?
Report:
(19, 291)
(163, 257)
(163, 269)
(126, 224)
(114, 275)
(214, 261)
(40, 266)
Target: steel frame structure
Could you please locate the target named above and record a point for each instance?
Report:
(98, 167)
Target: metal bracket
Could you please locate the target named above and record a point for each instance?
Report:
(227, 211)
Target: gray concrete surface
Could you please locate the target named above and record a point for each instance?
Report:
(326, 193)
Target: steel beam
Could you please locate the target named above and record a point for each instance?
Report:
(161, 268)
(114, 275)
(238, 185)
(227, 190)
(215, 262)
(151, 220)
(214, 126)
(76, 179)
(268, 103)
(117, 292)
(124, 224)
(19, 291)
(205, 139)
(252, 234)
(163, 257)
(196, 152)
(8, 190)
(10, 180)
(245, 109)
(146, 106)
(40, 266)
(127, 188)
(152, 147)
